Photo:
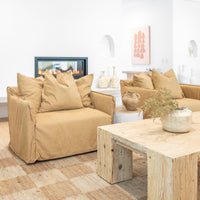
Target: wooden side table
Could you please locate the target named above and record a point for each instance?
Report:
(122, 115)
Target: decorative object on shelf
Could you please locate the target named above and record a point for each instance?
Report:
(114, 79)
(174, 118)
(192, 48)
(104, 81)
(130, 100)
(141, 45)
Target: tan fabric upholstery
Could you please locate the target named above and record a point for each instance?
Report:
(191, 91)
(57, 96)
(192, 104)
(168, 81)
(66, 78)
(143, 92)
(55, 134)
(72, 132)
(21, 127)
(143, 80)
(105, 103)
(124, 83)
(30, 89)
(84, 85)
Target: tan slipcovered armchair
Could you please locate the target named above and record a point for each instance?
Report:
(49, 135)
(191, 94)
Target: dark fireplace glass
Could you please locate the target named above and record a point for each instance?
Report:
(76, 65)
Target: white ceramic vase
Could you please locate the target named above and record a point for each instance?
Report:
(114, 79)
(104, 81)
(179, 121)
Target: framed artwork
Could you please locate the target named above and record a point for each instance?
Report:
(78, 66)
(141, 45)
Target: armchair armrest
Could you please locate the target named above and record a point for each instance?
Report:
(103, 102)
(191, 91)
(21, 126)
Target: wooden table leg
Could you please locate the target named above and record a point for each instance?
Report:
(172, 178)
(114, 162)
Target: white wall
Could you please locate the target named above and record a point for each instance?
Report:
(76, 28)
(157, 14)
(51, 28)
(186, 15)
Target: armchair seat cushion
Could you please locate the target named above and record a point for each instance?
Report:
(68, 132)
(192, 104)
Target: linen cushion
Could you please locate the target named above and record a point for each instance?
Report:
(66, 78)
(30, 89)
(57, 96)
(192, 104)
(143, 80)
(84, 85)
(77, 132)
(167, 81)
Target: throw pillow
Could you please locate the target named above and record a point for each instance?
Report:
(57, 96)
(66, 78)
(168, 81)
(30, 89)
(84, 85)
(143, 80)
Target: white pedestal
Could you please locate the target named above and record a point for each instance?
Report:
(122, 115)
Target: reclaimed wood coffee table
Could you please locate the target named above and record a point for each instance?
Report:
(172, 159)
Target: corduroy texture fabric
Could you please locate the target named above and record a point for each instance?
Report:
(167, 81)
(57, 96)
(143, 80)
(84, 85)
(55, 134)
(30, 89)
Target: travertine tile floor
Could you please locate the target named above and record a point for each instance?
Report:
(71, 178)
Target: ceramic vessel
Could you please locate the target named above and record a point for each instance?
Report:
(104, 81)
(179, 121)
(114, 79)
(130, 100)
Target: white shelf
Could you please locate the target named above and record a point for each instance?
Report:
(3, 100)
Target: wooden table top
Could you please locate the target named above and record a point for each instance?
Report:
(147, 135)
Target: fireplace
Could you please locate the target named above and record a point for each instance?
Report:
(77, 65)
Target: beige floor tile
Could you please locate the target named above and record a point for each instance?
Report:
(89, 182)
(76, 170)
(11, 172)
(15, 185)
(36, 167)
(60, 190)
(7, 162)
(87, 157)
(78, 197)
(32, 194)
(47, 177)
(109, 193)
(5, 153)
(64, 162)
(92, 164)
